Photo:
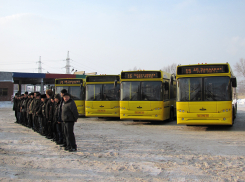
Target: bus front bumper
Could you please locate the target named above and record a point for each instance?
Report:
(204, 119)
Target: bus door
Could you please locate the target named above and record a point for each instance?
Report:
(166, 103)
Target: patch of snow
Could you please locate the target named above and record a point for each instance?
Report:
(6, 104)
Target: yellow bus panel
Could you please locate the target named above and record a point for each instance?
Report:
(204, 113)
(102, 109)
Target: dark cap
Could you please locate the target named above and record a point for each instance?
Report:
(43, 96)
(66, 94)
(31, 93)
(26, 92)
(38, 94)
(63, 91)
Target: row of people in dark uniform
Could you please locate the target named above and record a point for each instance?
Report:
(53, 116)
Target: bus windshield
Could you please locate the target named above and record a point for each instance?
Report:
(102, 92)
(75, 91)
(204, 89)
(141, 91)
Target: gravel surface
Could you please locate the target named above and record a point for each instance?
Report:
(114, 150)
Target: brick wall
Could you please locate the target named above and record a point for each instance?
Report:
(8, 85)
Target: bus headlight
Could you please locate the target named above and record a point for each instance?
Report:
(183, 119)
(224, 119)
(226, 110)
(223, 110)
(183, 110)
(156, 115)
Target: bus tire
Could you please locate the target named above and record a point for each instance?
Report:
(233, 117)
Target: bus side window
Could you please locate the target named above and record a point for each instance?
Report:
(166, 90)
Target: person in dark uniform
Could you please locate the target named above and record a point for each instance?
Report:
(21, 109)
(54, 130)
(36, 105)
(18, 106)
(15, 103)
(49, 113)
(29, 111)
(41, 114)
(59, 135)
(24, 108)
(62, 92)
(69, 116)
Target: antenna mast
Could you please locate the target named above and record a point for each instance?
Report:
(68, 64)
(39, 65)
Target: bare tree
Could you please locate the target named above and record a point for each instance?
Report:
(240, 70)
(170, 68)
(134, 69)
(240, 67)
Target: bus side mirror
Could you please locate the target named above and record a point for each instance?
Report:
(233, 82)
(81, 84)
(173, 77)
(115, 83)
(166, 86)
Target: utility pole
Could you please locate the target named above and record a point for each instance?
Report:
(39, 65)
(68, 64)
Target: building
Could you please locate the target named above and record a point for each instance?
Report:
(6, 86)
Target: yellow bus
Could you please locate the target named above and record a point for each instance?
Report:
(75, 87)
(206, 94)
(102, 96)
(147, 95)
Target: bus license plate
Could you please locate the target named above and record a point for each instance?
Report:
(203, 115)
(101, 110)
(139, 112)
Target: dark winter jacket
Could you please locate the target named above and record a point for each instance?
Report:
(28, 105)
(44, 108)
(36, 105)
(48, 110)
(39, 111)
(56, 112)
(15, 101)
(69, 111)
(60, 111)
(18, 105)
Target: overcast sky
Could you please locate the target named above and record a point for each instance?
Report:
(113, 35)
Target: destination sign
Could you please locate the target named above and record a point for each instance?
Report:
(69, 81)
(141, 74)
(102, 78)
(203, 69)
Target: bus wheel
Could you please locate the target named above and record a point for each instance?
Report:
(171, 117)
(233, 117)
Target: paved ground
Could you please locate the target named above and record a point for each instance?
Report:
(125, 151)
